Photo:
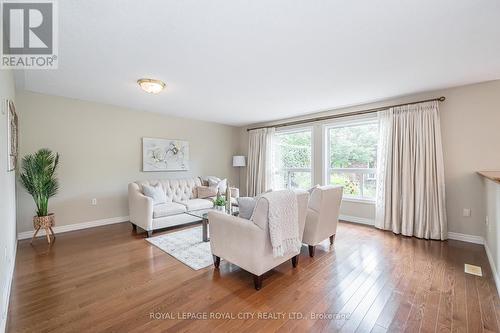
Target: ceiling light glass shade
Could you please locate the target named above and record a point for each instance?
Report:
(151, 86)
(239, 161)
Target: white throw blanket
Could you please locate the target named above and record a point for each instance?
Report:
(283, 219)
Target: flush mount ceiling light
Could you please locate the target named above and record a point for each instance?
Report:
(151, 86)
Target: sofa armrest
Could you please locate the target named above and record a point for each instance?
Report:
(237, 240)
(235, 192)
(140, 208)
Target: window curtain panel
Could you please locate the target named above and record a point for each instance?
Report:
(410, 172)
(259, 169)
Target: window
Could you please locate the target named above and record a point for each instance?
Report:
(352, 158)
(292, 159)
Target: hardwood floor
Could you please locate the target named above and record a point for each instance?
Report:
(109, 279)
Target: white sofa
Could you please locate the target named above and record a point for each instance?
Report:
(322, 215)
(181, 198)
(247, 243)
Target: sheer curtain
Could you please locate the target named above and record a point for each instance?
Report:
(259, 169)
(410, 172)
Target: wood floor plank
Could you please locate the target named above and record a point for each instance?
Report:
(488, 317)
(459, 316)
(367, 300)
(335, 305)
(400, 318)
(370, 319)
(445, 309)
(378, 329)
(430, 309)
(109, 279)
(474, 322)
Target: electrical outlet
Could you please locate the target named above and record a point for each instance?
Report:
(93, 202)
(466, 212)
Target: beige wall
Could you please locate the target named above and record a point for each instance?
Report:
(469, 123)
(101, 152)
(7, 200)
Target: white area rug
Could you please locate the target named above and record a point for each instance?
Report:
(186, 246)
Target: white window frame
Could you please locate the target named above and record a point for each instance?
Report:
(291, 130)
(366, 120)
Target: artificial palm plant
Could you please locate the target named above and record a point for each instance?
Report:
(39, 178)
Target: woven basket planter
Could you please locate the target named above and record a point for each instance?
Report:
(47, 221)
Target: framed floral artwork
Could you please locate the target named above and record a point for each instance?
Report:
(165, 155)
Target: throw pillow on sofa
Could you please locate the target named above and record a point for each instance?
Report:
(218, 184)
(205, 192)
(246, 205)
(156, 193)
(205, 180)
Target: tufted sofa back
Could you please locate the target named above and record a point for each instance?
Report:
(176, 189)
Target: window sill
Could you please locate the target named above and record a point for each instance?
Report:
(359, 200)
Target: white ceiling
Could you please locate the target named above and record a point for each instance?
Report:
(239, 62)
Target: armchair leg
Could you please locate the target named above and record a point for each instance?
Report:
(331, 239)
(216, 262)
(257, 281)
(295, 261)
(312, 248)
(149, 233)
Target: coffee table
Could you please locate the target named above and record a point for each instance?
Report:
(202, 214)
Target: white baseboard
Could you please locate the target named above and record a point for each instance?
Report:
(355, 219)
(8, 284)
(466, 238)
(76, 226)
(493, 267)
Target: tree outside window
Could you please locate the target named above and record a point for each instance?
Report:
(292, 154)
(353, 159)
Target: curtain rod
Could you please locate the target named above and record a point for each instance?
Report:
(347, 114)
